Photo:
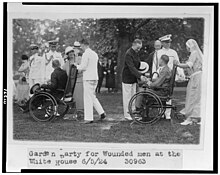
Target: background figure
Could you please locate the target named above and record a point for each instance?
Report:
(153, 59)
(37, 67)
(49, 57)
(90, 81)
(22, 90)
(101, 70)
(78, 91)
(130, 75)
(193, 91)
(110, 75)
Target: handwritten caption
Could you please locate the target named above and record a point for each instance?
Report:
(112, 158)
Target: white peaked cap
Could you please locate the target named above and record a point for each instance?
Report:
(165, 38)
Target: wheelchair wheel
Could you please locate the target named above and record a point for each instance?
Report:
(150, 108)
(62, 108)
(43, 107)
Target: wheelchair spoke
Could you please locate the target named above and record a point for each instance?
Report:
(42, 107)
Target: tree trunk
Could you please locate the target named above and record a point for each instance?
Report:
(123, 45)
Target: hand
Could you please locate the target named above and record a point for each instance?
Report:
(143, 78)
(149, 83)
(175, 62)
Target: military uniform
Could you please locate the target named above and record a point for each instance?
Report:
(49, 57)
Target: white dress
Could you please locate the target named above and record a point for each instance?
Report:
(193, 91)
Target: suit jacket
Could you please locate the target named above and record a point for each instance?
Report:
(164, 78)
(130, 72)
(89, 65)
(58, 80)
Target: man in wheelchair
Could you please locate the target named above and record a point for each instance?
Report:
(57, 82)
(159, 85)
(56, 85)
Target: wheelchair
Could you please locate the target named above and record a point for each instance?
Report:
(153, 105)
(45, 106)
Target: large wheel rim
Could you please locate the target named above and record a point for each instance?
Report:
(42, 107)
(151, 109)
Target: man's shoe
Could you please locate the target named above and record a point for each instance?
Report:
(102, 116)
(86, 122)
(129, 119)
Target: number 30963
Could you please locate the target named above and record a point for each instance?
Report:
(135, 161)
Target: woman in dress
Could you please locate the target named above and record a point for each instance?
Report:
(74, 58)
(110, 76)
(193, 91)
(23, 87)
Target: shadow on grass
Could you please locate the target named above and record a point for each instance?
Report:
(111, 130)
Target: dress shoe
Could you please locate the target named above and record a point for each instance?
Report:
(86, 122)
(102, 116)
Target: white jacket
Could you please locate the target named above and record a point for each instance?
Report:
(89, 65)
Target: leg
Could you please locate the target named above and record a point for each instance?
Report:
(168, 111)
(88, 101)
(96, 103)
(127, 91)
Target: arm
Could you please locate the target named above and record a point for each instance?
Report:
(130, 64)
(84, 62)
(189, 63)
(23, 67)
(53, 85)
(159, 80)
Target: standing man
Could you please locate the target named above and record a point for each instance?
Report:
(153, 59)
(37, 66)
(50, 56)
(172, 54)
(130, 75)
(90, 80)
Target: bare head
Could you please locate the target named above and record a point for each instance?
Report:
(157, 45)
(137, 45)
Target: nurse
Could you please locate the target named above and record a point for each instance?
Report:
(193, 91)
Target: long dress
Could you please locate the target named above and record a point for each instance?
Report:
(193, 91)
(78, 91)
(110, 76)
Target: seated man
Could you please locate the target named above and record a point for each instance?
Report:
(58, 80)
(163, 80)
(57, 85)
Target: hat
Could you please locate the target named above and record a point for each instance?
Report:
(34, 46)
(34, 88)
(53, 42)
(143, 67)
(68, 49)
(76, 44)
(166, 38)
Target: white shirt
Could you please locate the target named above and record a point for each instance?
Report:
(89, 65)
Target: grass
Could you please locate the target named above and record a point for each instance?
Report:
(111, 130)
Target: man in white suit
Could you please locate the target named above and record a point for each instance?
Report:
(90, 80)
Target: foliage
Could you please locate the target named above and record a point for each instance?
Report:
(108, 37)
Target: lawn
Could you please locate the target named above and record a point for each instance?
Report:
(113, 129)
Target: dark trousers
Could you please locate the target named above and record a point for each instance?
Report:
(99, 85)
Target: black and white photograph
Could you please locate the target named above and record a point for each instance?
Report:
(120, 78)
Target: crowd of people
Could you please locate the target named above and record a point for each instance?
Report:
(51, 70)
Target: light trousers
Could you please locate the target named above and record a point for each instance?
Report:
(128, 90)
(90, 99)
